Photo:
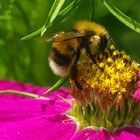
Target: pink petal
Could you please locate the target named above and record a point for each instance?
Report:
(90, 134)
(14, 85)
(83, 134)
(139, 73)
(40, 128)
(138, 84)
(136, 95)
(57, 94)
(128, 133)
(27, 108)
(16, 108)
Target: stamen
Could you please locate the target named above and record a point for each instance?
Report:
(108, 88)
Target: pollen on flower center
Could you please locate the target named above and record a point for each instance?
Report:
(108, 88)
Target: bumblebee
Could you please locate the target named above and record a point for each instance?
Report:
(67, 47)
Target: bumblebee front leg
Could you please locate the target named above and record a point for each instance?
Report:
(74, 71)
(88, 52)
(102, 45)
(74, 78)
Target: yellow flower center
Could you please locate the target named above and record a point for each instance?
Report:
(106, 99)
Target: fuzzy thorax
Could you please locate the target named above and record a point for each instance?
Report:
(106, 99)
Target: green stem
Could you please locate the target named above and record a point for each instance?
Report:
(26, 94)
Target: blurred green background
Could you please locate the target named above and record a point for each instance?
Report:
(27, 60)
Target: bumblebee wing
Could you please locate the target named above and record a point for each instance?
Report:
(71, 35)
(62, 36)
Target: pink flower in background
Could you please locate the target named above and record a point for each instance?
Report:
(23, 118)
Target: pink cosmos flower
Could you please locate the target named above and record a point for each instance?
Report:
(23, 118)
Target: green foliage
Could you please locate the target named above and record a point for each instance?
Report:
(57, 85)
(54, 16)
(134, 25)
(27, 60)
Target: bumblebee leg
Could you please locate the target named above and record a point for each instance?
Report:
(74, 71)
(92, 57)
(74, 78)
(103, 44)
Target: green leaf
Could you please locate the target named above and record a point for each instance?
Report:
(32, 34)
(65, 12)
(55, 10)
(58, 18)
(57, 5)
(134, 25)
(70, 8)
(51, 16)
(43, 30)
(57, 84)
